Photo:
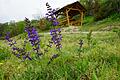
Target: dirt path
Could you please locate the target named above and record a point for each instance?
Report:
(75, 30)
(94, 32)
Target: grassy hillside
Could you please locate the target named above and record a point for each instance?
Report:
(97, 61)
(111, 22)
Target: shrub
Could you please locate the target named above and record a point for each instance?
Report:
(44, 24)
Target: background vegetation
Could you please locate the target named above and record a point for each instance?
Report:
(100, 14)
(97, 59)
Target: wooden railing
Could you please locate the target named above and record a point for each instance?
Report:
(72, 22)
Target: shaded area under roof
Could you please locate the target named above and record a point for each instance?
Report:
(69, 11)
(72, 12)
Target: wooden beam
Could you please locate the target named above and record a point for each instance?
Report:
(67, 17)
(74, 9)
(81, 18)
(81, 13)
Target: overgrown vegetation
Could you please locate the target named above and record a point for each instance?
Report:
(100, 61)
(107, 24)
(101, 9)
(61, 56)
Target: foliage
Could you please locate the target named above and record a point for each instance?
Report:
(89, 38)
(3, 28)
(99, 62)
(56, 38)
(4, 54)
(117, 31)
(106, 24)
(107, 8)
(33, 38)
(15, 28)
(101, 9)
(98, 56)
(44, 24)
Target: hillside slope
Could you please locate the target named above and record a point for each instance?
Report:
(108, 23)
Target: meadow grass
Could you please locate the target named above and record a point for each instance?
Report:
(111, 22)
(99, 61)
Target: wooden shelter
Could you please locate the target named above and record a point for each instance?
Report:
(69, 12)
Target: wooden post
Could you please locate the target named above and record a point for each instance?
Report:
(67, 17)
(81, 17)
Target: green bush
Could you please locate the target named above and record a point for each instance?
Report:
(4, 54)
(44, 24)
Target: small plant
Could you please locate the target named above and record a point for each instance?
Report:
(18, 52)
(51, 16)
(117, 31)
(80, 46)
(80, 43)
(53, 57)
(49, 45)
(89, 38)
(33, 38)
(56, 36)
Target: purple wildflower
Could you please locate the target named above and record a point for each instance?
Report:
(55, 33)
(32, 36)
(11, 42)
(18, 52)
(56, 37)
(51, 16)
(18, 55)
(27, 56)
(14, 48)
(7, 37)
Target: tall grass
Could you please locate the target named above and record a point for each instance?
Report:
(99, 62)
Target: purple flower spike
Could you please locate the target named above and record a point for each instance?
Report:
(18, 55)
(56, 37)
(14, 48)
(51, 16)
(33, 36)
(7, 37)
(27, 56)
(55, 23)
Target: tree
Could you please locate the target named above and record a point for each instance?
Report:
(88, 4)
(101, 9)
(107, 8)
